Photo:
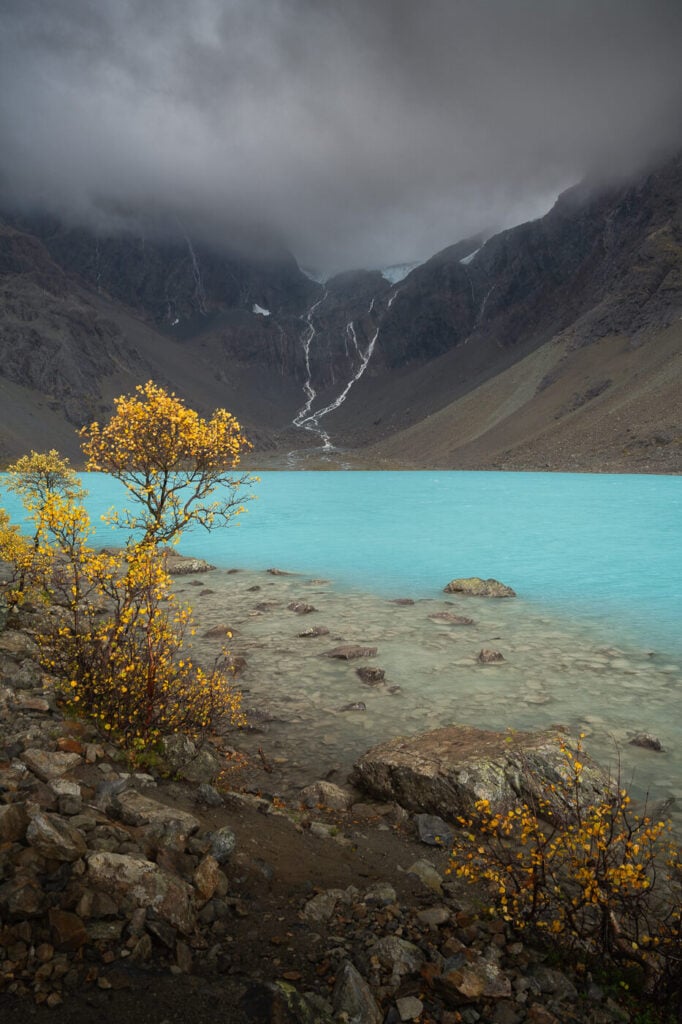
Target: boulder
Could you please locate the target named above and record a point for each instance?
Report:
(179, 565)
(50, 764)
(13, 822)
(55, 838)
(353, 997)
(326, 794)
(474, 586)
(134, 809)
(445, 771)
(140, 883)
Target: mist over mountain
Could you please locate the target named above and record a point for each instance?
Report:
(356, 134)
(554, 344)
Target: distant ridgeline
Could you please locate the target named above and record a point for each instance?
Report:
(549, 327)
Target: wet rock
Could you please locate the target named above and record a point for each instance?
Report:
(381, 894)
(490, 657)
(445, 771)
(427, 875)
(23, 898)
(134, 809)
(18, 645)
(353, 997)
(314, 631)
(452, 619)
(398, 956)
(219, 633)
(555, 983)
(54, 838)
(68, 794)
(188, 761)
(301, 607)
(322, 906)
(370, 675)
(434, 917)
(279, 1003)
(356, 705)
(279, 572)
(180, 565)
(432, 830)
(326, 794)
(13, 822)
(481, 979)
(140, 883)
(207, 877)
(647, 741)
(403, 601)
(50, 764)
(208, 796)
(347, 652)
(223, 843)
(409, 1008)
(67, 929)
(474, 586)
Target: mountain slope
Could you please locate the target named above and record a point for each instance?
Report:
(541, 347)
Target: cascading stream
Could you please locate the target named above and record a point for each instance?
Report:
(306, 419)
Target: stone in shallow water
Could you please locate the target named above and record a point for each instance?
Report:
(474, 586)
(646, 740)
(315, 631)
(371, 675)
(347, 652)
(301, 607)
(489, 657)
(454, 620)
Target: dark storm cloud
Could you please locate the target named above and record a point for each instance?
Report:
(364, 131)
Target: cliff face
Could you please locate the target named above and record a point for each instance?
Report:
(82, 315)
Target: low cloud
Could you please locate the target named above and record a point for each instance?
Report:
(361, 133)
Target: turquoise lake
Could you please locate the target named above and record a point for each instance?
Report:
(604, 549)
(592, 641)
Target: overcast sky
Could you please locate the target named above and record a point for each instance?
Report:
(367, 132)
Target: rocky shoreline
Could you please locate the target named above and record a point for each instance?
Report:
(158, 894)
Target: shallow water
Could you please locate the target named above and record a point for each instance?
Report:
(592, 641)
(552, 673)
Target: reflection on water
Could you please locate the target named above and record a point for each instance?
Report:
(553, 672)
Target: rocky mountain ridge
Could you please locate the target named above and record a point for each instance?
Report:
(358, 359)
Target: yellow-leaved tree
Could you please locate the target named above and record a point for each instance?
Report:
(178, 467)
(114, 634)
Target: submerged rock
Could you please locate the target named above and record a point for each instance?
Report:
(347, 652)
(447, 770)
(489, 657)
(474, 586)
(646, 740)
(314, 631)
(452, 619)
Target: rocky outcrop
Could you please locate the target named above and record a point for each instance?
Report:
(447, 770)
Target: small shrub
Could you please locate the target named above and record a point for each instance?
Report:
(604, 882)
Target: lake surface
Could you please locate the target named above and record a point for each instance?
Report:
(603, 549)
(592, 641)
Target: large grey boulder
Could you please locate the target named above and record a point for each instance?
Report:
(447, 770)
(134, 809)
(140, 883)
(474, 586)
